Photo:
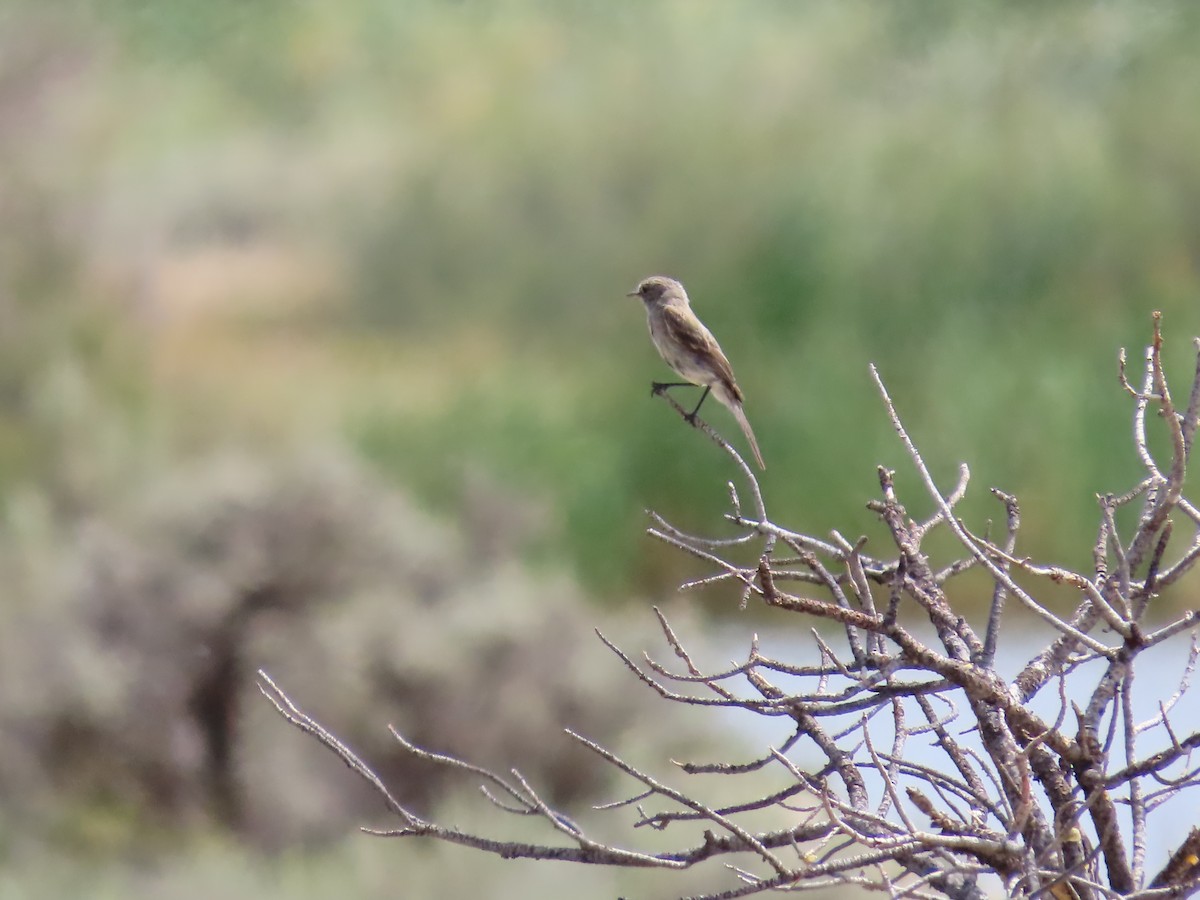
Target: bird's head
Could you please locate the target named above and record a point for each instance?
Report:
(658, 288)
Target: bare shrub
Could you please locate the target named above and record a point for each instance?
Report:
(1052, 805)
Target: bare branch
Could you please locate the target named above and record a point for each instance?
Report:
(1001, 796)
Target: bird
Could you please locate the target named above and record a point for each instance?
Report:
(691, 350)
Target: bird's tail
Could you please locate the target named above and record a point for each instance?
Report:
(740, 415)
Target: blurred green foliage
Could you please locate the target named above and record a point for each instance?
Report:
(275, 225)
(985, 199)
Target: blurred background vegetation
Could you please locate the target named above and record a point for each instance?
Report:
(256, 259)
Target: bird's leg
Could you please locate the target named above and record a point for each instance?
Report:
(659, 387)
(690, 418)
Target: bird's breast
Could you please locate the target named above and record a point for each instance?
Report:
(676, 355)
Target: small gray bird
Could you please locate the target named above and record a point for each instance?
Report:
(690, 349)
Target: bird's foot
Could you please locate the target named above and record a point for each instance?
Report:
(658, 387)
(691, 419)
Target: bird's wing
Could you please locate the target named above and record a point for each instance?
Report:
(690, 332)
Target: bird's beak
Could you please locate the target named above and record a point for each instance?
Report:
(632, 294)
